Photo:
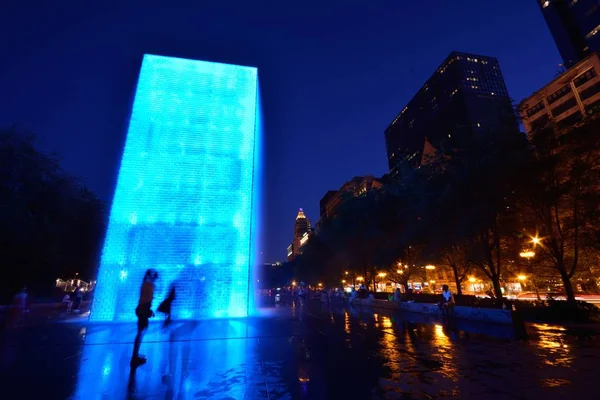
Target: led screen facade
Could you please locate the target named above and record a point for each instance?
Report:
(184, 193)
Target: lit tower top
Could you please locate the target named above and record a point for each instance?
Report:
(301, 226)
(300, 214)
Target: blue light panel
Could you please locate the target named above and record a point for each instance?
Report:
(183, 201)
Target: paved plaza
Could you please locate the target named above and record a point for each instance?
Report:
(300, 353)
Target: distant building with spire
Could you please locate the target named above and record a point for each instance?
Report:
(302, 231)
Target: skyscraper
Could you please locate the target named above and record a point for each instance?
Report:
(302, 228)
(574, 25)
(466, 95)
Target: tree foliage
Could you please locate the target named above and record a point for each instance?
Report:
(50, 224)
(476, 208)
(563, 195)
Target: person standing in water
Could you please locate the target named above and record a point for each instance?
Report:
(144, 313)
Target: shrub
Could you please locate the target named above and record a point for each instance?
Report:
(557, 310)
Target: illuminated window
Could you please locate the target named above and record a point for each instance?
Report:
(184, 193)
(593, 32)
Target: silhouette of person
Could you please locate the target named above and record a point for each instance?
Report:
(166, 306)
(144, 313)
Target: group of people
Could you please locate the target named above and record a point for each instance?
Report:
(144, 310)
(72, 302)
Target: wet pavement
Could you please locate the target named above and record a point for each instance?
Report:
(301, 353)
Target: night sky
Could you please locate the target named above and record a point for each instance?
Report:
(333, 75)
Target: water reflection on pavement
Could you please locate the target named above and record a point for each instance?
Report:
(422, 359)
(309, 352)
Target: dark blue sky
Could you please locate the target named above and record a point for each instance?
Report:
(333, 74)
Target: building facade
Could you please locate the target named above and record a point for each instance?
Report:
(465, 96)
(302, 230)
(574, 25)
(567, 99)
(354, 187)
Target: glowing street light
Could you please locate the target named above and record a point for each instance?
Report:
(382, 274)
(360, 278)
(293, 283)
(472, 279)
(527, 254)
(535, 240)
(319, 284)
(343, 281)
(430, 267)
(346, 272)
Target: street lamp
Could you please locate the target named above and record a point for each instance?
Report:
(381, 275)
(430, 267)
(535, 240)
(529, 255)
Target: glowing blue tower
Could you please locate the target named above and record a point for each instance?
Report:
(184, 197)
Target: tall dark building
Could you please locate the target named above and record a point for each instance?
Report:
(324, 202)
(465, 96)
(574, 25)
(302, 230)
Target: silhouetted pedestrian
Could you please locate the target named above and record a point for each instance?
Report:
(144, 313)
(78, 294)
(19, 308)
(166, 306)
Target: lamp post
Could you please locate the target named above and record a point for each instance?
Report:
(346, 273)
(360, 279)
(529, 255)
(381, 275)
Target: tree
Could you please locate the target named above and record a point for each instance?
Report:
(315, 261)
(563, 194)
(50, 223)
(476, 190)
(457, 258)
(357, 234)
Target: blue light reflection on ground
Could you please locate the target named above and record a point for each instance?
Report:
(193, 359)
(185, 191)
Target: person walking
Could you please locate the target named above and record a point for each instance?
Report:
(144, 313)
